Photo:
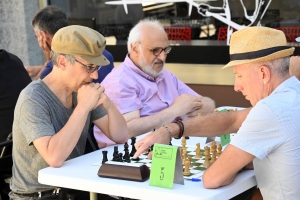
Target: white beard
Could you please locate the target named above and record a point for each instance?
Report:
(148, 69)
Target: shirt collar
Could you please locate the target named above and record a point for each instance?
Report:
(284, 84)
(128, 62)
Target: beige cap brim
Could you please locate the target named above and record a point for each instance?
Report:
(97, 60)
(278, 54)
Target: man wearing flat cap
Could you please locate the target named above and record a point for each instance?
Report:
(267, 134)
(52, 116)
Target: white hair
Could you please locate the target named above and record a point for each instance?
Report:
(135, 34)
(279, 66)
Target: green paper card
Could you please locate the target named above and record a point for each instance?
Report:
(164, 169)
(225, 139)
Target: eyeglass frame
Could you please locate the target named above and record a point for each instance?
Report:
(89, 69)
(161, 49)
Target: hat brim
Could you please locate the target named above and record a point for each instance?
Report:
(278, 54)
(97, 60)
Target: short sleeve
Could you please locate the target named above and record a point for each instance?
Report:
(124, 93)
(260, 133)
(98, 113)
(35, 121)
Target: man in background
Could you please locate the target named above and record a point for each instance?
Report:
(46, 23)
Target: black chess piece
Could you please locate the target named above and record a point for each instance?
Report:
(151, 148)
(133, 149)
(116, 154)
(126, 150)
(126, 157)
(104, 157)
(126, 146)
(120, 157)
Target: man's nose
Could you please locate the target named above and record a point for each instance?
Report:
(94, 75)
(162, 56)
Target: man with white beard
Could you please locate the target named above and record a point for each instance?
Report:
(146, 94)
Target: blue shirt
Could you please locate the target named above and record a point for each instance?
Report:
(271, 133)
(101, 73)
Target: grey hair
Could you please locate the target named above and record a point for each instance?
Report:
(279, 66)
(54, 56)
(135, 34)
(50, 19)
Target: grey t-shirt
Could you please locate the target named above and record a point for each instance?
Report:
(40, 113)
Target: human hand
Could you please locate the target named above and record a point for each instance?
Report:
(160, 136)
(89, 95)
(186, 103)
(33, 71)
(44, 44)
(104, 101)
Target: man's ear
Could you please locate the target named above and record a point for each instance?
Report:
(265, 74)
(61, 62)
(134, 47)
(48, 38)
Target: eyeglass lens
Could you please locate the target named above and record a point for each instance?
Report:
(158, 50)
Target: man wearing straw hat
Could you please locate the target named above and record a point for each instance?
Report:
(268, 134)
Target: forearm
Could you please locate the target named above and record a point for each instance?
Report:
(63, 142)
(211, 125)
(117, 127)
(139, 126)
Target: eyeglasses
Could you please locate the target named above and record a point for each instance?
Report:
(157, 50)
(89, 69)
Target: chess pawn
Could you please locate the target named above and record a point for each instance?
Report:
(104, 158)
(190, 161)
(213, 157)
(206, 154)
(219, 150)
(198, 151)
(212, 144)
(186, 171)
(208, 150)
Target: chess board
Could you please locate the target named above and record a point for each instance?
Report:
(196, 170)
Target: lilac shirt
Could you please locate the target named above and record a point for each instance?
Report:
(131, 89)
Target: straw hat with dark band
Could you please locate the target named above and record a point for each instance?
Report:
(256, 44)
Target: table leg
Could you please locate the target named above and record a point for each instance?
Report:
(93, 196)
